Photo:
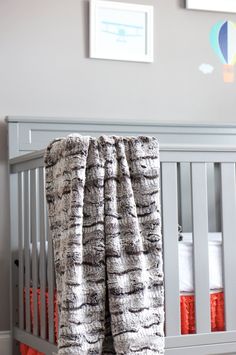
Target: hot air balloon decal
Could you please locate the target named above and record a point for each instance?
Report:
(223, 41)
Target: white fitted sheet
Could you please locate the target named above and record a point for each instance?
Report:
(186, 283)
(186, 262)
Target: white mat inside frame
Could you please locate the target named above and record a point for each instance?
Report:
(212, 5)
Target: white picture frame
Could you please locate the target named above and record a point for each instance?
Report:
(212, 5)
(121, 31)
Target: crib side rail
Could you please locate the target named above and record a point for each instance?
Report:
(170, 169)
(27, 187)
(32, 281)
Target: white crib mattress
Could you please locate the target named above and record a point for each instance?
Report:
(186, 262)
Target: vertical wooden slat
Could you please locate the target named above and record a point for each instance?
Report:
(200, 243)
(27, 234)
(170, 240)
(21, 248)
(42, 259)
(229, 241)
(35, 237)
(211, 200)
(185, 197)
(214, 203)
(217, 179)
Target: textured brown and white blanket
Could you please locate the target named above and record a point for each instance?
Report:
(104, 216)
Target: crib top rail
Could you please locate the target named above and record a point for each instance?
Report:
(178, 142)
(27, 161)
(206, 154)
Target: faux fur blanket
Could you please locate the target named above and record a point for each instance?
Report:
(104, 217)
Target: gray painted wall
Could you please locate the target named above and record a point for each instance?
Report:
(45, 70)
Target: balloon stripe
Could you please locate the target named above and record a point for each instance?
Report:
(214, 35)
(223, 39)
(231, 43)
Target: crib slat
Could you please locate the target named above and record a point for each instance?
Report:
(42, 259)
(185, 196)
(21, 248)
(35, 236)
(170, 240)
(51, 287)
(200, 243)
(229, 241)
(27, 230)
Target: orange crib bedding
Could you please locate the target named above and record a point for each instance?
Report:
(25, 349)
(187, 311)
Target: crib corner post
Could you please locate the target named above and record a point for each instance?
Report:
(13, 258)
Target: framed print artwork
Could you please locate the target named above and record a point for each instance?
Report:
(121, 31)
(212, 5)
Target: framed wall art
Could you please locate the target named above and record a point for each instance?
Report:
(121, 31)
(212, 5)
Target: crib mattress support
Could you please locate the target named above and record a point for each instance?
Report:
(34, 342)
(196, 344)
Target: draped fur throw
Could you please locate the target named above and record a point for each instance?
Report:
(104, 217)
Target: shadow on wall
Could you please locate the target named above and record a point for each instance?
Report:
(86, 28)
(182, 4)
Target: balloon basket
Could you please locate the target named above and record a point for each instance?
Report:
(228, 73)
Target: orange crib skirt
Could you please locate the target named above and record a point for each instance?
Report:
(187, 309)
(25, 349)
(187, 316)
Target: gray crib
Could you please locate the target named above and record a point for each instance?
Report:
(198, 192)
